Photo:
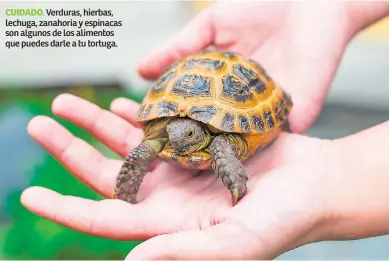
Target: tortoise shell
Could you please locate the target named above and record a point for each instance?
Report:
(224, 90)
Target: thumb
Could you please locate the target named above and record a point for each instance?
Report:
(194, 37)
(218, 242)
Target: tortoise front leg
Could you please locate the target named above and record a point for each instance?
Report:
(228, 168)
(135, 167)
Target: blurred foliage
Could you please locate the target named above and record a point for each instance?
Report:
(31, 237)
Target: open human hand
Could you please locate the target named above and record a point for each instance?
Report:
(181, 214)
(300, 44)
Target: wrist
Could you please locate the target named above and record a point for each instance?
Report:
(356, 194)
(327, 215)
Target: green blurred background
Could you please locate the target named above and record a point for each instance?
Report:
(29, 80)
(24, 163)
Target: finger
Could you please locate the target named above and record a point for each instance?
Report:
(219, 242)
(194, 37)
(127, 109)
(304, 113)
(307, 68)
(113, 219)
(81, 159)
(308, 90)
(110, 129)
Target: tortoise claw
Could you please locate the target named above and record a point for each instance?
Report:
(235, 196)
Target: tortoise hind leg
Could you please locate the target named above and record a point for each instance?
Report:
(135, 167)
(228, 167)
(286, 127)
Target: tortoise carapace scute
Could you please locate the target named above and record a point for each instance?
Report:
(221, 89)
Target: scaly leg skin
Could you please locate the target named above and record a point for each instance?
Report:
(228, 168)
(135, 167)
(286, 127)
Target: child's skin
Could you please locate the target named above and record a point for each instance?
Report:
(301, 189)
(299, 43)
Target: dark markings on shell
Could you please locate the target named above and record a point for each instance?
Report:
(279, 113)
(283, 107)
(260, 68)
(268, 118)
(258, 123)
(206, 63)
(244, 73)
(288, 99)
(258, 85)
(286, 103)
(192, 86)
(162, 82)
(250, 77)
(166, 109)
(229, 55)
(228, 122)
(235, 89)
(286, 111)
(144, 111)
(244, 123)
(203, 114)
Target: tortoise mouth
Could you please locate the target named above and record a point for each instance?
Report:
(181, 149)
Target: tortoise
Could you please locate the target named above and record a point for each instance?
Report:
(209, 110)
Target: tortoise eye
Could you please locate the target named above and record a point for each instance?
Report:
(190, 134)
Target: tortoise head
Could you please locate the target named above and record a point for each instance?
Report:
(187, 135)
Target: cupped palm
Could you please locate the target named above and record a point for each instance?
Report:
(283, 200)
